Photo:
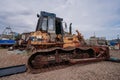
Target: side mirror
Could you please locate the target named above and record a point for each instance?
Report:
(38, 15)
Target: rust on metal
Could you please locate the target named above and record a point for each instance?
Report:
(51, 45)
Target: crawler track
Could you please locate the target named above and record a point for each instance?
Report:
(50, 68)
(47, 58)
(53, 58)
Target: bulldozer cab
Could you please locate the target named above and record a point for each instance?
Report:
(49, 23)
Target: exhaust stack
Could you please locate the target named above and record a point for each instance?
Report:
(70, 28)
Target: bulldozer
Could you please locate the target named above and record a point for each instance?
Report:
(52, 45)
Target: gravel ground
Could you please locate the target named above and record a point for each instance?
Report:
(95, 71)
(9, 58)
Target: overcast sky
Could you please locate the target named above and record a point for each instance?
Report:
(101, 17)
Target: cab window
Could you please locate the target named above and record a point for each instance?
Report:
(44, 24)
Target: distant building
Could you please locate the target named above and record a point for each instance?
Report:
(97, 41)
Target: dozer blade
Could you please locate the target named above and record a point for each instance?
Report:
(12, 70)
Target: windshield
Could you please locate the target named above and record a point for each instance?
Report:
(44, 24)
(51, 24)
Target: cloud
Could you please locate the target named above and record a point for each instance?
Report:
(88, 16)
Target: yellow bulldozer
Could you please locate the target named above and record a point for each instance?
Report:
(52, 45)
